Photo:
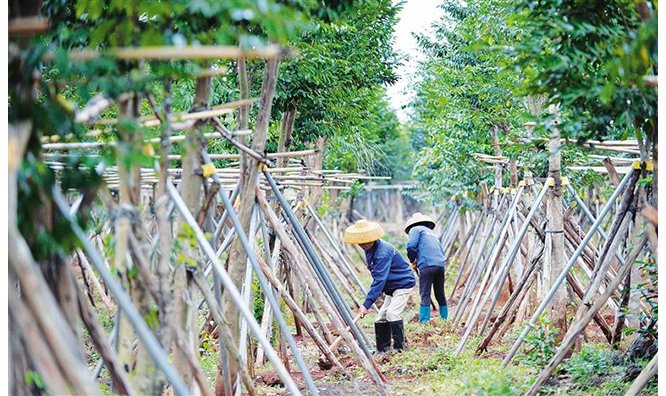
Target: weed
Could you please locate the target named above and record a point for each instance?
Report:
(541, 342)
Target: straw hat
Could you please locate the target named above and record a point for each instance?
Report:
(419, 219)
(363, 231)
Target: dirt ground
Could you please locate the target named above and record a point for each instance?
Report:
(428, 367)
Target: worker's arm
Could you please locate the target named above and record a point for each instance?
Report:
(379, 271)
(413, 244)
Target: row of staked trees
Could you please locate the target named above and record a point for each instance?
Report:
(330, 95)
(504, 77)
(495, 65)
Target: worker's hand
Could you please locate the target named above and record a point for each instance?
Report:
(363, 311)
(414, 267)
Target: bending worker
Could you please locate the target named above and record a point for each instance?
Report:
(391, 275)
(425, 250)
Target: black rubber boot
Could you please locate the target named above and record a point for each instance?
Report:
(383, 336)
(397, 329)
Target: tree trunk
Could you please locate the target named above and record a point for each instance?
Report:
(190, 190)
(554, 259)
(145, 378)
(237, 258)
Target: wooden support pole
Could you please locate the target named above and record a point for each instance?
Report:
(579, 325)
(321, 344)
(103, 346)
(224, 331)
(166, 53)
(237, 256)
(562, 276)
(336, 271)
(493, 259)
(48, 316)
(469, 249)
(36, 349)
(290, 248)
(620, 225)
(577, 288)
(85, 266)
(130, 311)
(503, 268)
(649, 371)
(232, 292)
(514, 301)
(476, 268)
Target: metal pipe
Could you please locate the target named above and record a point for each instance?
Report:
(589, 215)
(515, 248)
(230, 287)
(566, 269)
(498, 281)
(469, 249)
(478, 269)
(474, 272)
(223, 218)
(149, 340)
(495, 250)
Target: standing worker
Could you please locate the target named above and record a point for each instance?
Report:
(425, 250)
(391, 275)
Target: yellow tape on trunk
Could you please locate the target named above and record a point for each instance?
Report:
(208, 170)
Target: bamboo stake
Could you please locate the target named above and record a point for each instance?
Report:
(266, 317)
(246, 292)
(27, 26)
(496, 249)
(475, 268)
(486, 265)
(338, 340)
(475, 272)
(589, 215)
(249, 253)
(305, 273)
(621, 224)
(36, 345)
(336, 249)
(165, 53)
(143, 266)
(577, 287)
(336, 271)
(85, 265)
(514, 300)
(318, 266)
(461, 271)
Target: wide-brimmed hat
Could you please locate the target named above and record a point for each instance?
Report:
(419, 219)
(363, 231)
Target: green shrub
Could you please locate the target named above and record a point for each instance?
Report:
(541, 343)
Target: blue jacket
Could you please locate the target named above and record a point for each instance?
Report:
(424, 248)
(389, 270)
